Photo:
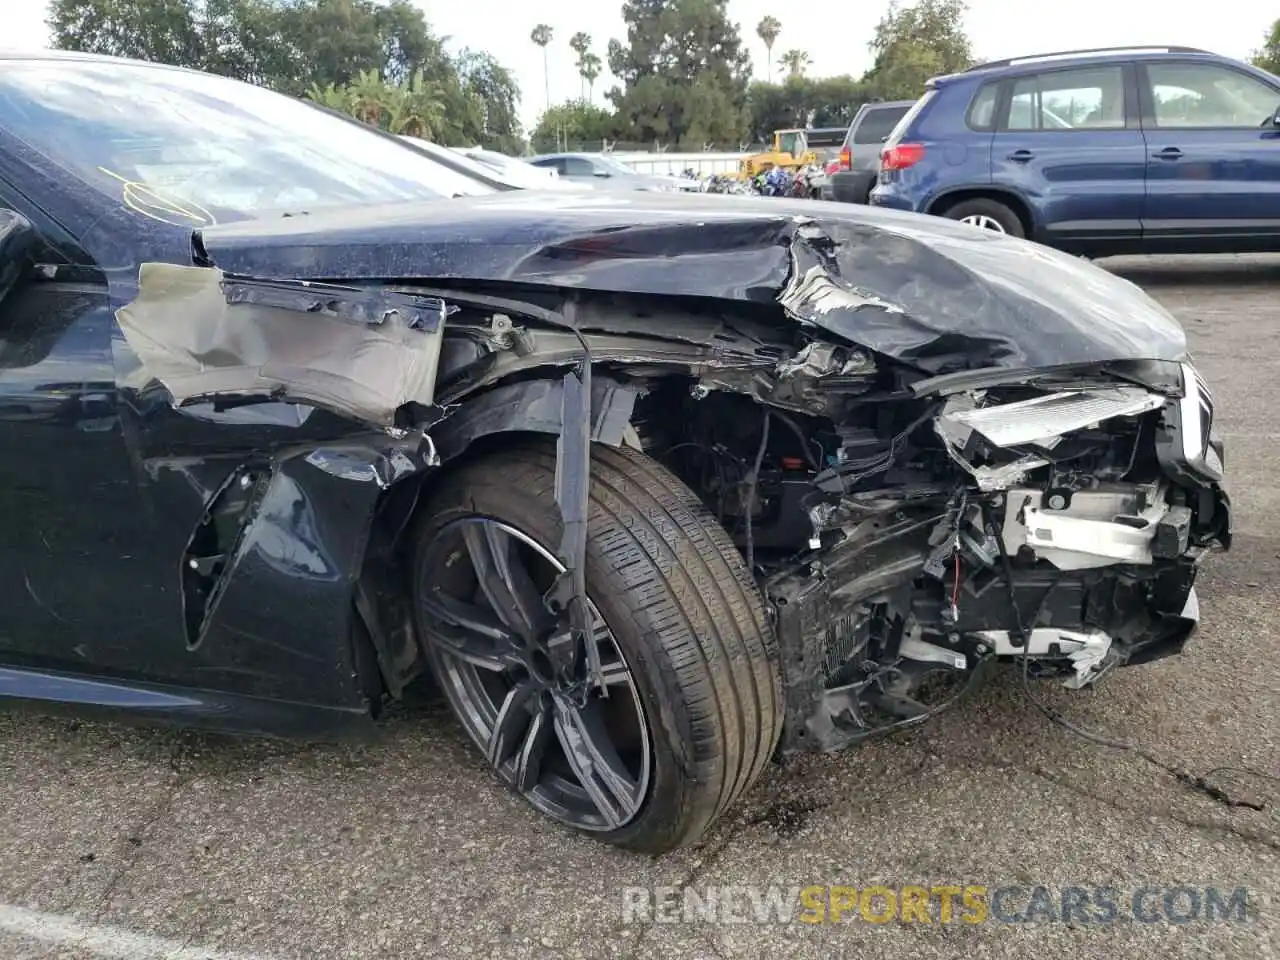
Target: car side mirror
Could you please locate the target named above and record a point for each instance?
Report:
(601, 173)
(17, 241)
(1275, 118)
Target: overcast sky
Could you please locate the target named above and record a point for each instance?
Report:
(834, 35)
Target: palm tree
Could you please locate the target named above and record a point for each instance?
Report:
(589, 66)
(795, 61)
(541, 35)
(416, 108)
(580, 43)
(768, 30)
(370, 97)
(331, 96)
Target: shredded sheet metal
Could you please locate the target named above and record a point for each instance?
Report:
(187, 336)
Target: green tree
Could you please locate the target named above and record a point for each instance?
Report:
(804, 102)
(580, 44)
(683, 72)
(494, 95)
(541, 36)
(834, 100)
(795, 62)
(912, 44)
(768, 30)
(375, 60)
(161, 30)
(575, 124)
(415, 108)
(776, 106)
(1268, 56)
(370, 98)
(331, 96)
(287, 45)
(590, 67)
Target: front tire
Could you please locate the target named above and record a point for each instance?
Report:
(695, 705)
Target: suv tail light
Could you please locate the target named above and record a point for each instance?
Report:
(901, 156)
(846, 158)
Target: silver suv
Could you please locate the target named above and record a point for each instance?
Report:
(859, 160)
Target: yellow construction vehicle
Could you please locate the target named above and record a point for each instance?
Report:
(790, 151)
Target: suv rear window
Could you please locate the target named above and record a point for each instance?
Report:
(877, 124)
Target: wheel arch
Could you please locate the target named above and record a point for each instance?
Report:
(500, 415)
(1011, 198)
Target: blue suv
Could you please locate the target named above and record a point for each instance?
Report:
(1133, 150)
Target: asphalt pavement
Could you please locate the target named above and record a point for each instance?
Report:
(141, 844)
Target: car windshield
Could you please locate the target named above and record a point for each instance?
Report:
(183, 147)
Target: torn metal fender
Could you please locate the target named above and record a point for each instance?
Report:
(358, 352)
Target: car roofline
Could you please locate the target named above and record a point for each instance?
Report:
(1032, 62)
(80, 56)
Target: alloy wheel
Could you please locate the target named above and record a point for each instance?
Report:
(580, 752)
(984, 222)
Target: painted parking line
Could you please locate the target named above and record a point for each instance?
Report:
(100, 940)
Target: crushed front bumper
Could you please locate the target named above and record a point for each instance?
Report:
(892, 623)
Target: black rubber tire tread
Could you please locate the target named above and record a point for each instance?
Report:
(675, 591)
(994, 209)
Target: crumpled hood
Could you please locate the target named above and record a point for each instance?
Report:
(939, 295)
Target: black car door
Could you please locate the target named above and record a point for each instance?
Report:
(79, 589)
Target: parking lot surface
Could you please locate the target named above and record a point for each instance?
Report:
(135, 844)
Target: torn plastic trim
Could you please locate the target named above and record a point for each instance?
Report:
(536, 406)
(359, 352)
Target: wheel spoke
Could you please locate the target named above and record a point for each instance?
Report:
(533, 749)
(504, 580)
(469, 633)
(614, 674)
(595, 762)
(613, 669)
(512, 724)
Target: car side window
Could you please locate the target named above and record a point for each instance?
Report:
(1086, 98)
(1208, 95)
(53, 244)
(982, 112)
(577, 167)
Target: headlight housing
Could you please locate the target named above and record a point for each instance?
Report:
(1187, 445)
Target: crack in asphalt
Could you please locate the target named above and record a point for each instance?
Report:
(765, 811)
(138, 836)
(135, 839)
(1209, 826)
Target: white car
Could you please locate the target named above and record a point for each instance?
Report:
(473, 175)
(505, 164)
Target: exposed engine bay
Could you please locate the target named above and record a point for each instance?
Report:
(908, 531)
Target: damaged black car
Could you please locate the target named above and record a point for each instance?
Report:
(655, 487)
